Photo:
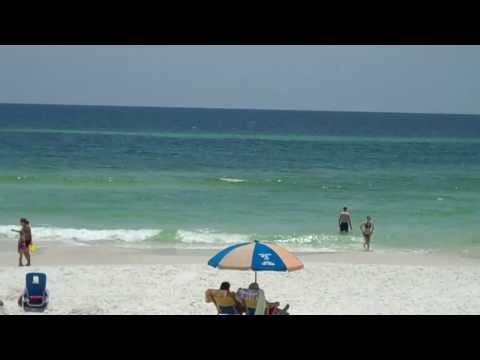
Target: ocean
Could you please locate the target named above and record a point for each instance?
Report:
(204, 178)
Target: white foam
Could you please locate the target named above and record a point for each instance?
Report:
(199, 238)
(82, 235)
(300, 249)
(232, 180)
(205, 236)
(321, 239)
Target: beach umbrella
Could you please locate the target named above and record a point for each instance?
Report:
(256, 256)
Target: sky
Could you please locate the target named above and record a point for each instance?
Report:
(418, 79)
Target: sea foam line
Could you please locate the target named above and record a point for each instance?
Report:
(232, 180)
(84, 235)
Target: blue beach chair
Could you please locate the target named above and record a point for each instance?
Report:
(35, 296)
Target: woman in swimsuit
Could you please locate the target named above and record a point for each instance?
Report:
(367, 228)
(24, 241)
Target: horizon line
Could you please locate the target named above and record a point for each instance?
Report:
(237, 109)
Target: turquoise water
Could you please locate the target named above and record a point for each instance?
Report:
(158, 180)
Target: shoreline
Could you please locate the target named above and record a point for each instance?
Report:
(53, 254)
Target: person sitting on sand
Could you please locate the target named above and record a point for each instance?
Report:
(24, 242)
(344, 221)
(250, 297)
(367, 229)
(224, 300)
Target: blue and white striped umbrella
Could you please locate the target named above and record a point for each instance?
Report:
(256, 256)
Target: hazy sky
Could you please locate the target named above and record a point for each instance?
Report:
(438, 79)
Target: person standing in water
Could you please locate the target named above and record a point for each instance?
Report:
(24, 241)
(344, 221)
(367, 229)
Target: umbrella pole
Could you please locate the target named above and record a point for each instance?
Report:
(255, 276)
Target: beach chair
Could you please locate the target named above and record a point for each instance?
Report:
(254, 302)
(251, 306)
(225, 305)
(35, 296)
(257, 305)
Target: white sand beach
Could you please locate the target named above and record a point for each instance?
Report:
(100, 280)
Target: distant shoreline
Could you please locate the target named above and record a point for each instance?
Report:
(187, 108)
(52, 254)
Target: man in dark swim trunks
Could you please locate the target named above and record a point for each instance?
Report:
(367, 228)
(344, 221)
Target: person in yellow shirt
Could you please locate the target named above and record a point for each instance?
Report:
(224, 300)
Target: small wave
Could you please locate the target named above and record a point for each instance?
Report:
(319, 239)
(82, 235)
(181, 238)
(232, 180)
(209, 237)
(200, 237)
(306, 243)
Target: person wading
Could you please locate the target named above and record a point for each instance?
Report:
(367, 229)
(344, 221)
